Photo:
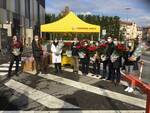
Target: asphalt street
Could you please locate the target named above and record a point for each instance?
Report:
(65, 91)
(146, 68)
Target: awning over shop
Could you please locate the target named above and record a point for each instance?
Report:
(70, 23)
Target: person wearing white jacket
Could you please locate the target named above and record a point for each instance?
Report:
(56, 49)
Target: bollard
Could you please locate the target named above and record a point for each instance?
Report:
(141, 70)
(148, 103)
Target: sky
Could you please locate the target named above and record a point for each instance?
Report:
(137, 11)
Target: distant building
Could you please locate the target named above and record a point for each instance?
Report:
(22, 17)
(130, 29)
(146, 33)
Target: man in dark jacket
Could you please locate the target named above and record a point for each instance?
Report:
(75, 55)
(109, 51)
(37, 53)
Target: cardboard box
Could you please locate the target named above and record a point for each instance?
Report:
(29, 66)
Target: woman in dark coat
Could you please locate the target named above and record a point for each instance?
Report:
(16, 50)
(37, 53)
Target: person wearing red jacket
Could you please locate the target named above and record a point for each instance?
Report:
(16, 50)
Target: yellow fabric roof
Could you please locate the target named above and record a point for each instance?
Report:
(70, 23)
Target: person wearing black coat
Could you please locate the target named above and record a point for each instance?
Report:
(116, 64)
(109, 52)
(37, 53)
(116, 75)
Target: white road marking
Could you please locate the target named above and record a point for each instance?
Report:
(3, 73)
(5, 67)
(96, 90)
(39, 96)
(90, 75)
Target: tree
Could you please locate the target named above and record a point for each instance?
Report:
(50, 18)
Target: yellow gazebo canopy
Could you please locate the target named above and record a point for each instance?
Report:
(70, 23)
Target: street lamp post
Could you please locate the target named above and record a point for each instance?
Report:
(127, 9)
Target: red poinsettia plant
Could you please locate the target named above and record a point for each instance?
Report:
(120, 49)
(102, 48)
(92, 50)
(67, 46)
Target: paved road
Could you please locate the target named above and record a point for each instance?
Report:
(146, 69)
(67, 91)
(74, 93)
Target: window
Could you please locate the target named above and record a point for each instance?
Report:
(3, 4)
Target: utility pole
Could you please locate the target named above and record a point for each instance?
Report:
(38, 20)
(127, 9)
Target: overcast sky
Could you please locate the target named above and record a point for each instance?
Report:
(139, 10)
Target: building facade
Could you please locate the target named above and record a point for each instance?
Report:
(146, 33)
(130, 29)
(22, 17)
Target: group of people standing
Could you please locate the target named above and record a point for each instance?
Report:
(112, 63)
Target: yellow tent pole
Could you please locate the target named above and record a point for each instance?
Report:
(76, 35)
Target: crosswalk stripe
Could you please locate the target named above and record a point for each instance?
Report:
(5, 68)
(3, 73)
(79, 72)
(90, 75)
(7, 65)
(79, 111)
(96, 90)
(39, 96)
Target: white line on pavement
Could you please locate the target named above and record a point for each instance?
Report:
(7, 65)
(3, 73)
(39, 96)
(96, 90)
(90, 75)
(5, 68)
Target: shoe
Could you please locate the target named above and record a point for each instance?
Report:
(127, 88)
(107, 78)
(97, 75)
(130, 90)
(102, 77)
(40, 73)
(76, 72)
